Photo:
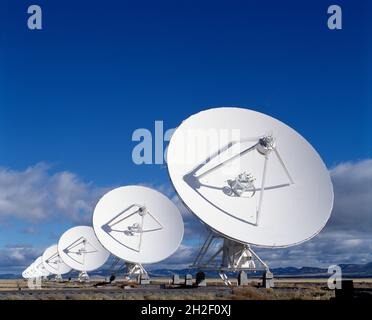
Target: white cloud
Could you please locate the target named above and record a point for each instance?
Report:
(14, 258)
(347, 238)
(353, 196)
(36, 194)
(329, 247)
(181, 259)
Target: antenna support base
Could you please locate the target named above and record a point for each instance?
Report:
(83, 276)
(228, 256)
(58, 277)
(134, 269)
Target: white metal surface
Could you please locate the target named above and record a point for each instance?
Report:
(53, 262)
(28, 273)
(39, 267)
(250, 177)
(80, 249)
(138, 224)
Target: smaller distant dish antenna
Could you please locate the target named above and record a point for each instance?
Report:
(39, 268)
(27, 273)
(80, 249)
(139, 225)
(54, 263)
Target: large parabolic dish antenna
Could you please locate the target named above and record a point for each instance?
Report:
(138, 224)
(80, 249)
(250, 177)
(53, 262)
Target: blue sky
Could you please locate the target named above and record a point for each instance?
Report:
(72, 94)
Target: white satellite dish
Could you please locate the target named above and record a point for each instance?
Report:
(32, 272)
(250, 178)
(80, 249)
(54, 263)
(138, 224)
(39, 268)
(28, 272)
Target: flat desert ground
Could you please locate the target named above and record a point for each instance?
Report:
(160, 289)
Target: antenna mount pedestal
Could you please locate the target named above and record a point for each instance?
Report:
(230, 256)
(58, 277)
(131, 270)
(134, 269)
(83, 276)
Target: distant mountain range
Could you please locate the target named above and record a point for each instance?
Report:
(348, 270)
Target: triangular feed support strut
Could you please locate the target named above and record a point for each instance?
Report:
(83, 275)
(136, 228)
(265, 145)
(55, 261)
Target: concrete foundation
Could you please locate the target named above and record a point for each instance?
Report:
(268, 280)
(188, 280)
(176, 279)
(242, 278)
(200, 279)
(143, 279)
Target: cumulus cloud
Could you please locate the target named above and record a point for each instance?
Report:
(37, 194)
(14, 258)
(329, 247)
(181, 259)
(347, 238)
(352, 183)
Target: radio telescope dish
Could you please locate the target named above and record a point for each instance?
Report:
(138, 224)
(26, 273)
(80, 249)
(53, 262)
(32, 272)
(250, 177)
(39, 267)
